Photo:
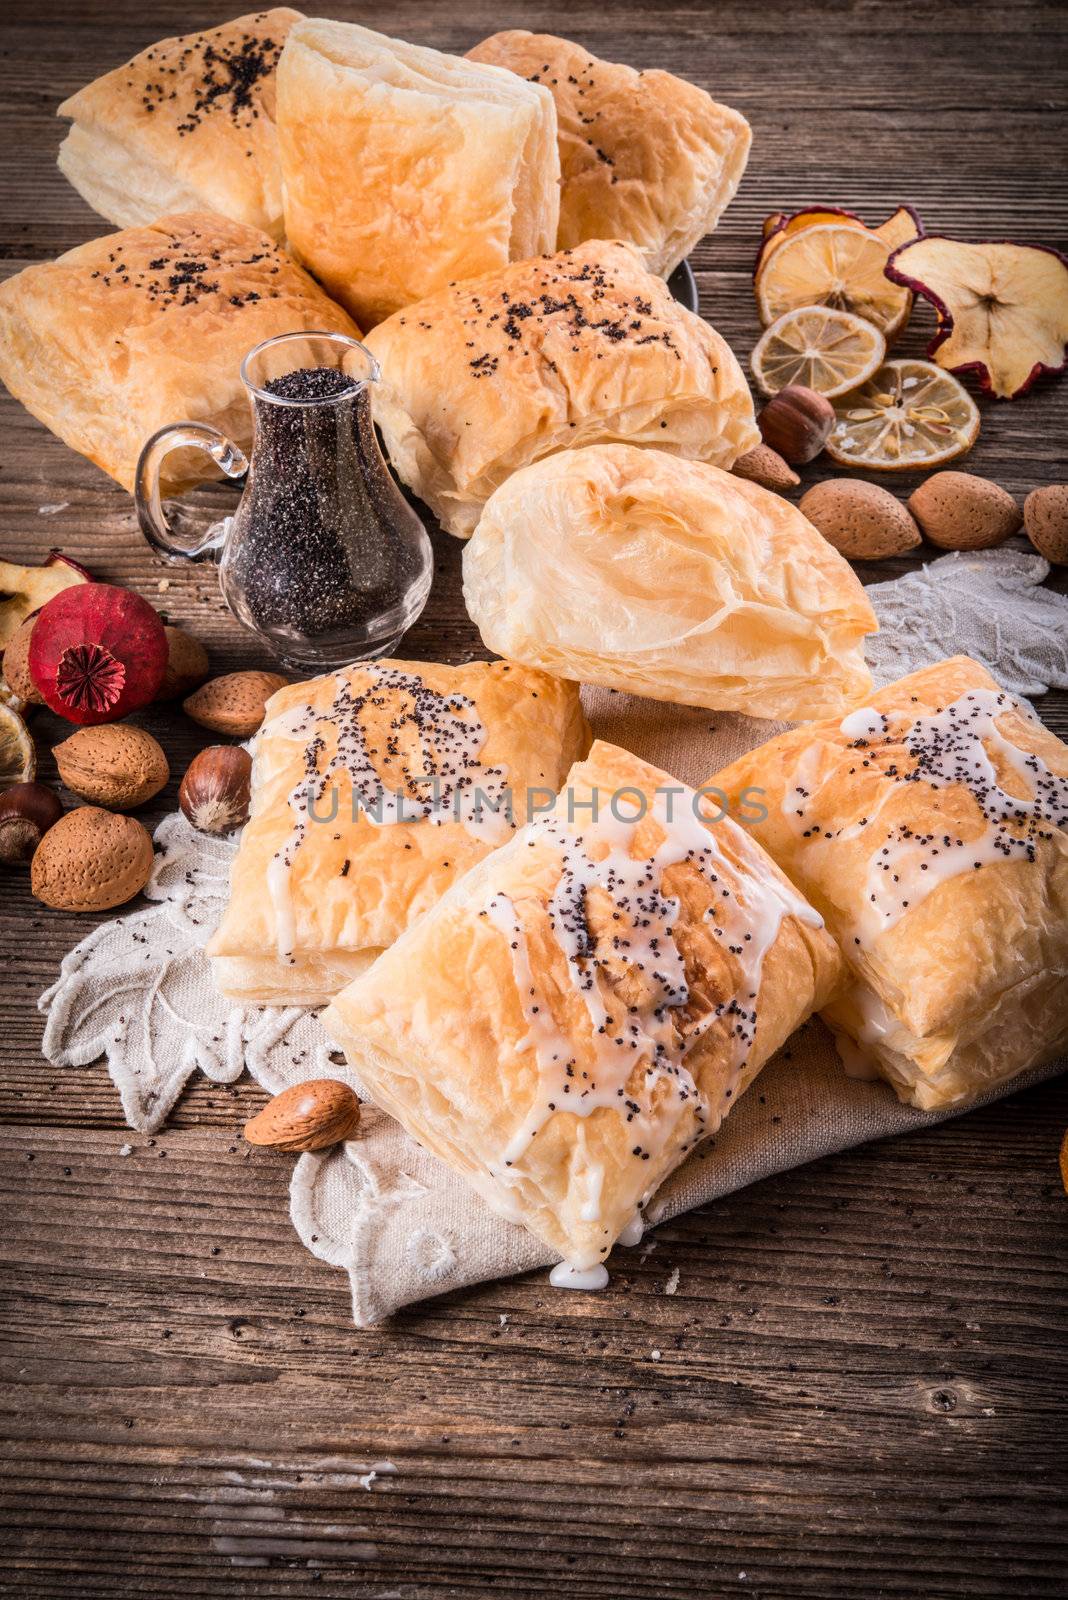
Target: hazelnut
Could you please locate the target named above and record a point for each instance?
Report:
(1046, 522)
(215, 791)
(861, 520)
(958, 511)
(114, 765)
(765, 467)
(797, 423)
(187, 665)
(27, 811)
(235, 703)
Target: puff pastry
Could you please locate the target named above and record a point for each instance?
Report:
(931, 829)
(405, 168)
(187, 125)
(587, 1004)
(373, 789)
(149, 326)
(644, 156)
(670, 579)
(582, 346)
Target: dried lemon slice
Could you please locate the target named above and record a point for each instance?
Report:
(826, 350)
(18, 759)
(835, 264)
(910, 414)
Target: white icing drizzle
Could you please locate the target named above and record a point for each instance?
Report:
(565, 1276)
(644, 1036)
(949, 747)
(448, 736)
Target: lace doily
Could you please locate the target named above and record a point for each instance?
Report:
(138, 991)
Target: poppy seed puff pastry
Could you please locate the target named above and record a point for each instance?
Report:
(644, 156)
(570, 349)
(374, 789)
(930, 828)
(404, 168)
(670, 579)
(149, 326)
(187, 125)
(588, 1002)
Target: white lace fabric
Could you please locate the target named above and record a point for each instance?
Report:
(138, 991)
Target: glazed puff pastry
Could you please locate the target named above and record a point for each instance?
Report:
(587, 1004)
(930, 827)
(150, 326)
(404, 168)
(644, 156)
(671, 579)
(581, 346)
(187, 125)
(373, 789)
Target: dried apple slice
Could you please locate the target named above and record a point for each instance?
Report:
(1002, 308)
(26, 589)
(832, 264)
(822, 349)
(910, 415)
(900, 228)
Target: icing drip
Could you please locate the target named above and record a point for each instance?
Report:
(440, 780)
(950, 747)
(565, 1276)
(651, 1036)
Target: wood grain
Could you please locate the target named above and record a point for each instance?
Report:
(860, 1388)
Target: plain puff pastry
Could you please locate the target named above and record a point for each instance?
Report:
(405, 168)
(587, 1004)
(187, 125)
(931, 829)
(582, 346)
(670, 579)
(373, 789)
(644, 156)
(150, 326)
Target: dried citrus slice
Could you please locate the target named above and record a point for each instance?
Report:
(826, 350)
(18, 760)
(833, 264)
(910, 414)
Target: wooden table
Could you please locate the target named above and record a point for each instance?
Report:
(861, 1389)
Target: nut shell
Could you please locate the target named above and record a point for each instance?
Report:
(233, 704)
(216, 789)
(766, 467)
(187, 665)
(27, 811)
(797, 423)
(114, 765)
(17, 665)
(91, 860)
(309, 1116)
(1046, 522)
(958, 511)
(861, 520)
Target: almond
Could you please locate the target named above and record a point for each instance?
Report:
(114, 765)
(861, 520)
(958, 511)
(309, 1116)
(766, 467)
(91, 860)
(187, 665)
(234, 704)
(1046, 521)
(17, 665)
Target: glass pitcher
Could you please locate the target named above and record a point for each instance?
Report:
(324, 558)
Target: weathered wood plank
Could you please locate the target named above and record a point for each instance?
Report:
(861, 1383)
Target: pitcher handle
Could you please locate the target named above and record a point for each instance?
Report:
(150, 515)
